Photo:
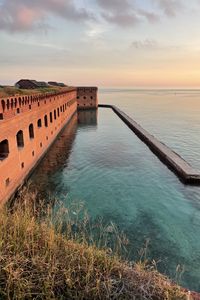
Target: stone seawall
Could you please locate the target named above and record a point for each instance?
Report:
(170, 158)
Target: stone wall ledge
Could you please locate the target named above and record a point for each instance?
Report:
(186, 173)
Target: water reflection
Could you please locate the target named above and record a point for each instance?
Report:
(55, 160)
(87, 117)
(44, 179)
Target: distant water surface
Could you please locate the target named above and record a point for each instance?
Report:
(173, 116)
(98, 160)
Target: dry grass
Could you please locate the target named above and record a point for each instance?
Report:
(44, 258)
(9, 91)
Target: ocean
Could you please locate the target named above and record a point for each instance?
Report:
(99, 161)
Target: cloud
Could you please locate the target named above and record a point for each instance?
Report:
(114, 5)
(150, 16)
(153, 45)
(25, 15)
(169, 7)
(124, 13)
(128, 12)
(146, 44)
(121, 19)
(95, 30)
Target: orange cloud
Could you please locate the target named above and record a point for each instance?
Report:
(23, 15)
(27, 16)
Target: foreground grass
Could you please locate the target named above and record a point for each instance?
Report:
(39, 262)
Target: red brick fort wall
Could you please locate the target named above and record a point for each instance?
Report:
(29, 125)
(87, 97)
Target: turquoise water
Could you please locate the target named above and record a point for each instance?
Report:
(98, 160)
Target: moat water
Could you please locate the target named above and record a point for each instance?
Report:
(100, 161)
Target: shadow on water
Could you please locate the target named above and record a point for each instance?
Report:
(55, 160)
(57, 157)
(87, 117)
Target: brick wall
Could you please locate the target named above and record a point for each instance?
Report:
(87, 97)
(28, 126)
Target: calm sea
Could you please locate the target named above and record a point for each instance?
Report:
(98, 160)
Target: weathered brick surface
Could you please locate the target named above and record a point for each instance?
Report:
(18, 113)
(87, 97)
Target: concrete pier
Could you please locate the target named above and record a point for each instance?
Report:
(170, 158)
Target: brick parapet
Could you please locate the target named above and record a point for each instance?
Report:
(12, 106)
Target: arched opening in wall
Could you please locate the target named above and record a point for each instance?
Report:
(61, 108)
(54, 114)
(20, 139)
(45, 121)
(4, 149)
(91, 97)
(31, 131)
(51, 117)
(3, 104)
(39, 123)
(58, 111)
(8, 104)
(12, 103)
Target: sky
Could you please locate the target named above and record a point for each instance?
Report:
(111, 43)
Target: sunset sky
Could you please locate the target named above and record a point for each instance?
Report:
(138, 43)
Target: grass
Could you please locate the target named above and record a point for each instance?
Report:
(42, 257)
(9, 91)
